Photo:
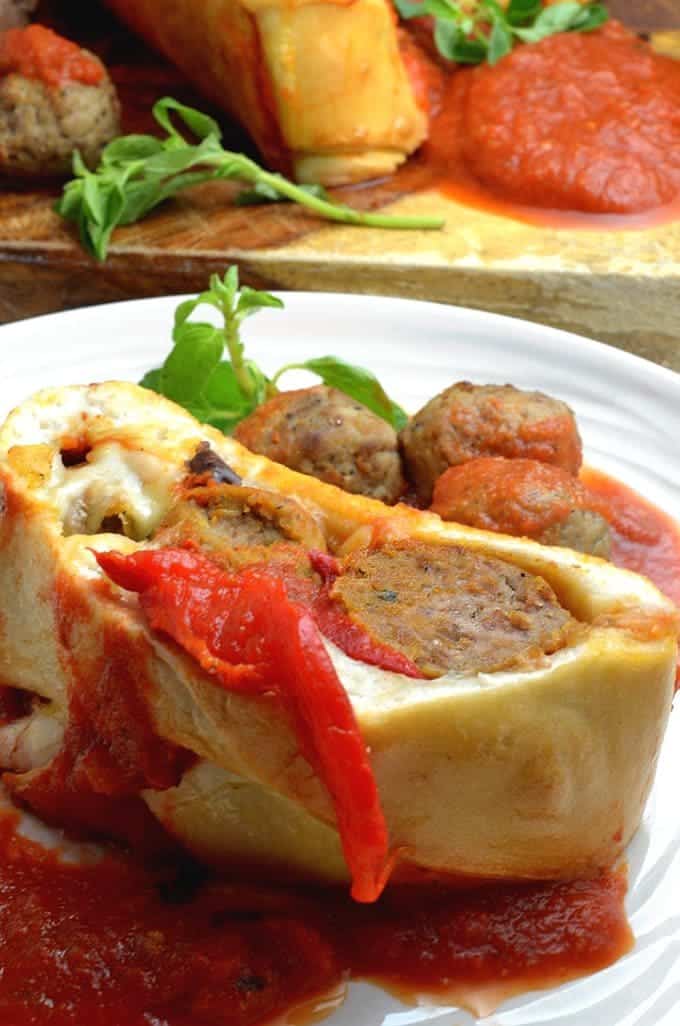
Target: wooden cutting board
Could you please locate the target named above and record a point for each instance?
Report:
(622, 287)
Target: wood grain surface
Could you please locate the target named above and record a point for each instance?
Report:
(622, 287)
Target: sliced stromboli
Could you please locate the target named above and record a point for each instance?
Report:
(322, 87)
(489, 769)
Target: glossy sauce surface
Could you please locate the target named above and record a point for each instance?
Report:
(579, 130)
(115, 942)
(644, 538)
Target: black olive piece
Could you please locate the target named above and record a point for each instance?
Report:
(206, 461)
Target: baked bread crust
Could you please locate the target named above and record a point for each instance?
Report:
(535, 773)
(320, 86)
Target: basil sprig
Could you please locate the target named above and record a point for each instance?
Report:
(484, 31)
(221, 391)
(137, 172)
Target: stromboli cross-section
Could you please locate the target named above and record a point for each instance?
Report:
(490, 763)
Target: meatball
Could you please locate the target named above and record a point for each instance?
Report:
(240, 525)
(15, 12)
(468, 420)
(450, 609)
(523, 497)
(322, 432)
(43, 122)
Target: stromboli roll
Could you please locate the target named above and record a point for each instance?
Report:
(320, 86)
(530, 757)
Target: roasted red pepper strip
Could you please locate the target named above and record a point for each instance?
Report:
(243, 629)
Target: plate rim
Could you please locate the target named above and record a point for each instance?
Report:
(607, 352)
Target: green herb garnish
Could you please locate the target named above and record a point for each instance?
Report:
(137, 172)
(481, 30)
(262, 192)
(223, 392)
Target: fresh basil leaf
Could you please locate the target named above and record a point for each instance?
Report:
(139, 172)
(262, 192)
(551, 20)
(493, 9)
(80, 169)
(225, 403)
(196, 353)
(152, 380)
(407, 10)
(130, 147)
(518, 12)
(445, 9)
(447, 38)
(591, 18)
(500, 42)
(95, 233)
(222, 389)
(139, 198)
(452, 44)
(225, 289)
(252, 300)
(358, 383)
(70, 203)
(93, 200)
(174, 161)
(200, 124)
(260, 381)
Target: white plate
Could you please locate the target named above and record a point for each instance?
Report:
(629, 414)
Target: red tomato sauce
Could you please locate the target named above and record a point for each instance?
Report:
(579, 129)
(168, 943)
(644, 539)
(38, 52)
(114, 942)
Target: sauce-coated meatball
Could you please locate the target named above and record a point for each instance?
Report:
(466, 421)
(523, 497)
(54, 98)
(322, 432)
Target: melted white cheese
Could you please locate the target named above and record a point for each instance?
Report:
(115, 481)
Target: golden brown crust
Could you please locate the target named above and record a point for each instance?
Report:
(319, 85)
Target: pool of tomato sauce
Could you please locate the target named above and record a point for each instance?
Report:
(163, 942)
(444, 161)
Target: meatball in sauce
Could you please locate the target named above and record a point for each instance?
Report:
(466, 421)
(54, 98)
(525, 498)
(324, 433)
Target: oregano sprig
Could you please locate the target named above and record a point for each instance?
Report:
(207, 372)
(482, 30)
(138, 172)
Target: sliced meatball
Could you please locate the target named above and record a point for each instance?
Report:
(241, 525)
(466, 421)
(322, 432)
(44, 119)
(525, 498)
(450, 609)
